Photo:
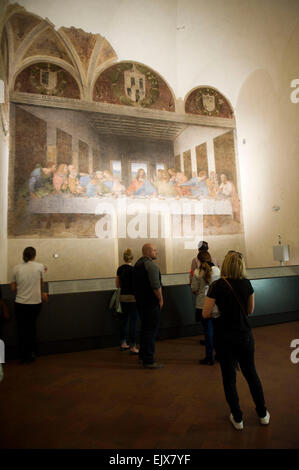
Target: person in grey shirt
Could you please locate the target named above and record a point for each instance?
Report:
(149, 299)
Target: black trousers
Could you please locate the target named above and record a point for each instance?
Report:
(231, 351)
(149, 325)
(26, 315)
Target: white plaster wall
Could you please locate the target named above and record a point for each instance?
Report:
(77, 258)
(139, 30)
(223, 42)
(248, 50)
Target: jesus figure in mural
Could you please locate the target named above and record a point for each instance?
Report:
(227, 189)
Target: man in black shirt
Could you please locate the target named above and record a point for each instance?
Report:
(149, 299)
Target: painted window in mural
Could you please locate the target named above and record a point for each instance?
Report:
(116, 169)
(136, 168)
(160, 166)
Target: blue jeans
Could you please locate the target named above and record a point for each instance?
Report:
(207, 325)
(150, 321)
(128, 318)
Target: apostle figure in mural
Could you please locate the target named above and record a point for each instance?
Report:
(157, 177)
(100, 184)
(41, 180)
(101, 187)
(198, 185)
(177, 179)
(163, 185)
(92, 187)
(73, 181)
(213, 184)
(228, 190)
(84, 180)
(113, 183)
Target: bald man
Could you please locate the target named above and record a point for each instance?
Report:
(149, 299)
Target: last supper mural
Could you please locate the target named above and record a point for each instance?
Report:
(66, 171)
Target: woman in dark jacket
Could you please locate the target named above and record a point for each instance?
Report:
(129, 314)
(233, 340)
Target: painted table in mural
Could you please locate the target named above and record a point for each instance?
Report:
(60, 204)
(171, 212)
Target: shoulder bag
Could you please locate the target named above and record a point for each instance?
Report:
(114, 304)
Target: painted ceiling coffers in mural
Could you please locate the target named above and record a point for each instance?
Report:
(135, 127)
(207, 101)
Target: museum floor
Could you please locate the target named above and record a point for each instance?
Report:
(103, 399)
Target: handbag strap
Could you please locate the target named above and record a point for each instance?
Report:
(236, 297)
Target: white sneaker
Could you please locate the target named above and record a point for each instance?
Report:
(266, 419)
(238, 426)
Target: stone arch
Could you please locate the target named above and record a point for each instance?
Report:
(152, 91)
(22, 24)
(205, 100)
(34, 40)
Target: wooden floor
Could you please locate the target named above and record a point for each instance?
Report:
(103, 399)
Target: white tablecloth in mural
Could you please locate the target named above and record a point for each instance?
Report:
(61, 204)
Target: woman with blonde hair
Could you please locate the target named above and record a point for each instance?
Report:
(234, 344)
(203, 276)
(128, 317)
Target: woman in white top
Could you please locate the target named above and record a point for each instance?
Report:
(203, 276)
(27, 281)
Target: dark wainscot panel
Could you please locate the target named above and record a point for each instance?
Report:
(80, 321)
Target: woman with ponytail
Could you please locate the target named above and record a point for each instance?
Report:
(203, 276)
(128, 317)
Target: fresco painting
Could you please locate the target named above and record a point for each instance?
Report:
(48, 79)
(207, 101)
(132, 84)
(89, 132)
(56, 192)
